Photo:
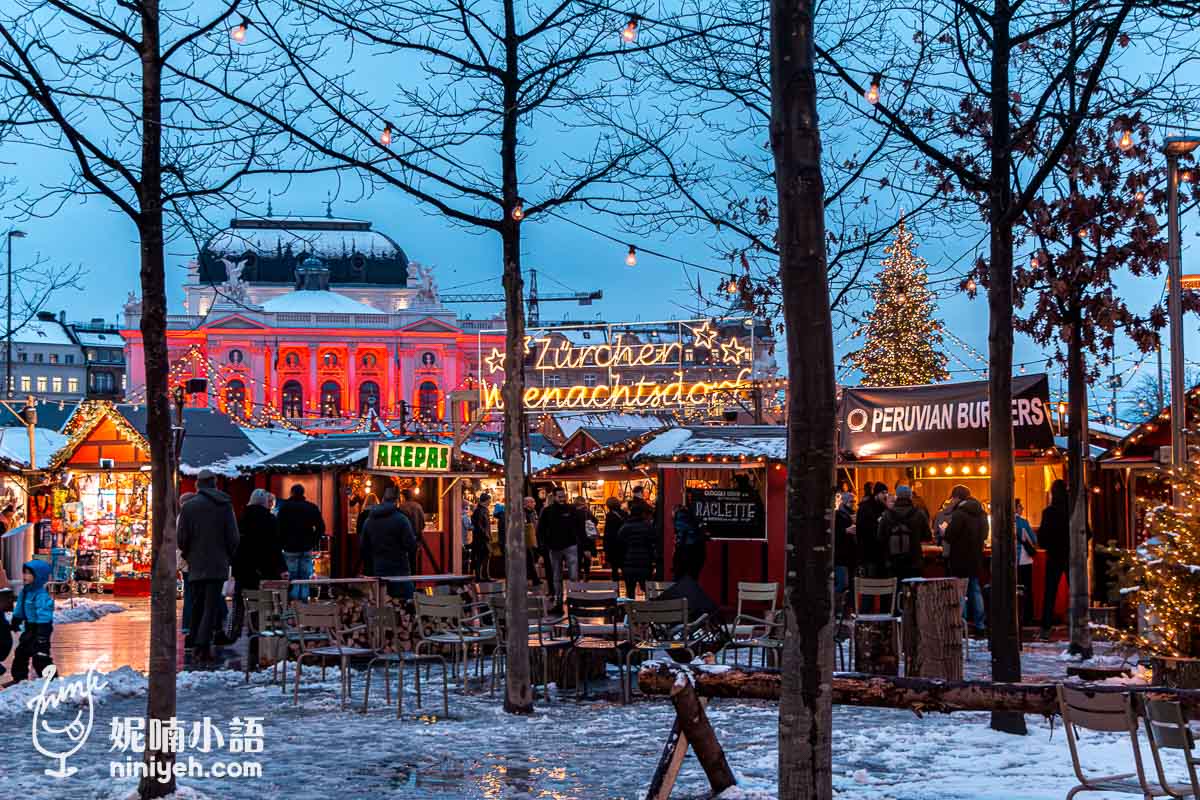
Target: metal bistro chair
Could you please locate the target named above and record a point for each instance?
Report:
(1167, 729)
(384, 624)
(1103, 711)
(884, 591)
(655, 625)
(324, 617)
(543, 638)
(749, 632)
(594, 625)
(655, 588)
(442, 621)
(264, 619)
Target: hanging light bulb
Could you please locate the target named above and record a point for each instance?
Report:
(732, 286)
(872, 92)
(1185, 176)
(1022, 369)
(629, 32)
(518, 211)
(1125, 142)
(238, 32)
(971, 284)
(631, 257)
(385, 138)
(1033, 261)
(1139, 196)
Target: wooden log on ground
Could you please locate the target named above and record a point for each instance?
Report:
(694, 724)
(880, 691)
(875, 646)
(932, 629)
(669, 763)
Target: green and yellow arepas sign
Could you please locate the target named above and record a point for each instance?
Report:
(409, 457)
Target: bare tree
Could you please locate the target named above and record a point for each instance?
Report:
(119, 91)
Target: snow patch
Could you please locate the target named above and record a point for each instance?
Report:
(82, 609)
(180, 793)
(123, 682)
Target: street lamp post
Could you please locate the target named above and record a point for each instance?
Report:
(8, 379)
(1174, 147)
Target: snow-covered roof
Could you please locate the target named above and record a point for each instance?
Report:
(1116, 431)
(99, 339)
(1095, 451)
(14, 446)
(324, 238)
(317, 302)
(733, 441)
(43, 331)
(492, 450)
(569, 424)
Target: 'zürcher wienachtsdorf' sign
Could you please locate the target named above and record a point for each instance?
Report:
(939, 418)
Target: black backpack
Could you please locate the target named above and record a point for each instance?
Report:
(898, 539)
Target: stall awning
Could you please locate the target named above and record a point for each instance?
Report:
(946, 417)
(716, 444)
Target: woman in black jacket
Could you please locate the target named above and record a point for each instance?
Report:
(259, 555)
(641, 548)
(614, 543)
(1054, 535)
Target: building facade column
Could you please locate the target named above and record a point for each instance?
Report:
(312, 393)
(352, 379)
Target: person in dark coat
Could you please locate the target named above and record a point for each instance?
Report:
(301, 527)
(1054, 536)
(965, 537)
(259, 555)
(902, 528)
(208, 540)
(388, 544)
(641, 548)
(587, 545)
(614, 543)
(532, 550)
(560, 529)
(845, 548)
(870, 556)
(481, 532)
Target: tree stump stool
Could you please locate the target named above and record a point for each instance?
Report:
(875, 645)
(932, 628)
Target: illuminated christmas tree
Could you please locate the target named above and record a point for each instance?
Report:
(902, 344)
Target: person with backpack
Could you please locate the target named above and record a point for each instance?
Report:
(691, 544)
(902, 528)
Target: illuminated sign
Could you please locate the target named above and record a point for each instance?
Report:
(605, 367)
(409, 457)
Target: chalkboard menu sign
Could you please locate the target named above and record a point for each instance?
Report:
(736, 514)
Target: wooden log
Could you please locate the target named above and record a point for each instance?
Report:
(880, 691)
(875, 646)
(932, 629)
(694, 724)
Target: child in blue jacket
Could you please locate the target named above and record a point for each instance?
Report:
(34, 610)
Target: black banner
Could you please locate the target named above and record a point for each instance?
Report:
(729, 513)
(939, 418)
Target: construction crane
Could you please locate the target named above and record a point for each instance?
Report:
(532, 299)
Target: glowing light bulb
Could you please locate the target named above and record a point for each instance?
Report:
(1139, 195)
(971, 285)
(933, 470)
(1125, 142)
(732, 286)
(1033, 261)
(385, 138)
(630, 31)
(238, 32)
(518, 211)
(631, 257)
(1185, 176)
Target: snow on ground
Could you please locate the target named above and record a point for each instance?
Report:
(82, 609)
(595, 750)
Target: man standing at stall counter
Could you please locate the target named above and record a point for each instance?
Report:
(560, 530)
(301, 527)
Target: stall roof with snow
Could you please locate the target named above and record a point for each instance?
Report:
(716, 443)
(594, 461)
(1140, 447)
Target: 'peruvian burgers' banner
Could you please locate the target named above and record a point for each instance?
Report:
(939, 418)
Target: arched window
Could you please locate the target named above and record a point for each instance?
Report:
(293, 399)
(331, 399)
(368, 397)
(330, 359)
(427, 400)
(235, 398)
(370, 360)
(292, 360)
(236, 357)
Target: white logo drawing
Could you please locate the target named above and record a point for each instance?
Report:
(76, 732)
(856, 420)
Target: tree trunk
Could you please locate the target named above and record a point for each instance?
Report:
(933, 629)
(160, 695)
(694, 724)
(518, 694)
(881, 691)
(1005, 641)
(806, 708)
(1077, 448)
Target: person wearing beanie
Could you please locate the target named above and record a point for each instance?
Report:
(965, 537)
(871, 559)
(902, 528)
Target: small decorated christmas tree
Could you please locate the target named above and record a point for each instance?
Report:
(902, 339)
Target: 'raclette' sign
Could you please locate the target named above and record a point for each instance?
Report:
(409, 457)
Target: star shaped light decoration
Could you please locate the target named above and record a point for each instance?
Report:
(494, 361)
(732, 351)
(704, 336)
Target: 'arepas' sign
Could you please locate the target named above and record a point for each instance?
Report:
(940, 418)
(409, 457)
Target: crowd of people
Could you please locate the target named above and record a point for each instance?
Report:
(886, 536)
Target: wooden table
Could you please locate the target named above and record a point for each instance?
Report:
(445, 579)
(372, 583)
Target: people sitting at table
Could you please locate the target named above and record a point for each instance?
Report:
(388, 544)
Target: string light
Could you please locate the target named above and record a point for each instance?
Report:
(1139, 196)
(518, 210)
(731, 285)
(1125, 142)
(1033, 261)
(238, 32)
(631, 257)
(385, 138)
(971, 286)
(1185, 176)
(630, 31)
(872, 92)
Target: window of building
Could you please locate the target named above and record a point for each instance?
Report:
(369, 360)
(69, 358)
(553, 380)
(22, 356)
(39, 358)
(26, 383)
(54, 358)
(122, 381)
(331, 398)
(41, 383)
(235, 398)
(117, 356)
(102, 382)
(293, 398)
(235, 357)
(368, 398)
(91, 354)
(56, 385)
(292, 360)
(330, 359)
(427, 400)
(428, 359)
(73, 385)
(589, 379)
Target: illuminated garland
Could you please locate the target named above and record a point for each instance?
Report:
(84, 420)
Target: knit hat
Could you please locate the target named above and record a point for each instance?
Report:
(904, 490)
